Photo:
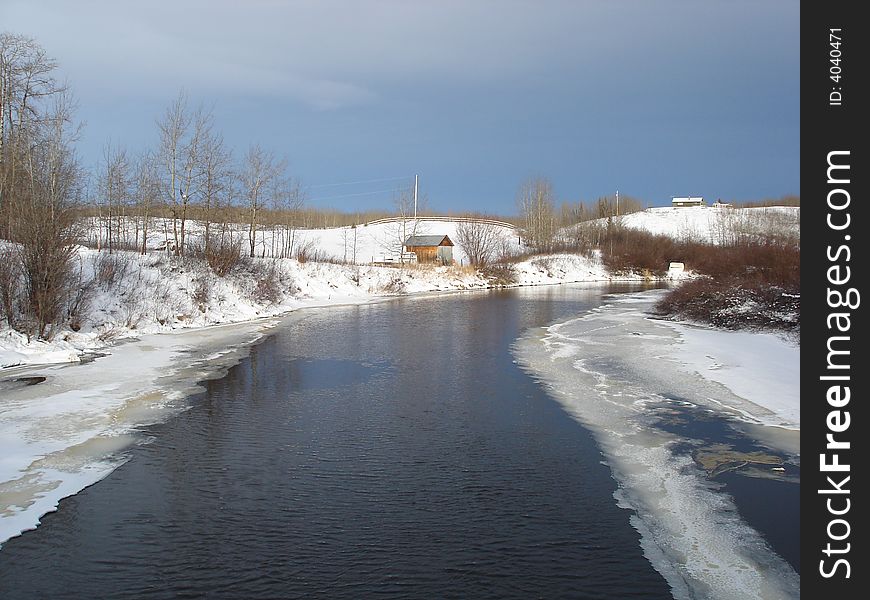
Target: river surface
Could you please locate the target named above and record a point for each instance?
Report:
(385, 450)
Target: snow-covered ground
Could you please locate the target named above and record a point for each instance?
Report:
(159, 293)
(714, 225)
(163, 321)
(617, 371)
(762, 367)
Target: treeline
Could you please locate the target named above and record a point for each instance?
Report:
(49, 204)
(542, 223)
(44, 192)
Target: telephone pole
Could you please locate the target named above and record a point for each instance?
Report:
(415, 196)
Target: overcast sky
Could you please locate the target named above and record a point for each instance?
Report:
(654, 98)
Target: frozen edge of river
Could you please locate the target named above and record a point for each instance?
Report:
(609, 369)
(68, 432)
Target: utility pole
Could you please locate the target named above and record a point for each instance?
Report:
(617, 203)
(415, 197)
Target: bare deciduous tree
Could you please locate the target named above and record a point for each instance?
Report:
(10, 284)
(182, 136)
(287, 200)
(27, 87)
(44, 219)
(214, 173)
(535, 202)
(259, 171)
(407, 224)
(114, 191)
(146, 191)
(479, 240)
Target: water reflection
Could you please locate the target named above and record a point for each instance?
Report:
(389, 449)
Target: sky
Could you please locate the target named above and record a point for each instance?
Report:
(654, 98)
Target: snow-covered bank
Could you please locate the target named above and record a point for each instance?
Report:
(132, 295)
(62, 426)
(617, 371)
(763, 368)
(63, 433)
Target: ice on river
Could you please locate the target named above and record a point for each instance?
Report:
(611, 369)
(62, 426)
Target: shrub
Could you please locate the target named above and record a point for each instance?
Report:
(10, 284)
(306, 251)
(111, 270)
(224, 256)
(733, 304)
(499, 274)
(202, 291)
(264, 282)
(394, 286)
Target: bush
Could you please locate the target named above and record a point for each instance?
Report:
(394, 286)
(224, 257)
(733, 304)
(499, 274)
(306, 251)
(111, 270)
(10, 284)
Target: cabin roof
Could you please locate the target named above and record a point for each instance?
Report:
(428, 240)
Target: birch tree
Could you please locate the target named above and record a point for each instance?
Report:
(259, 171)
(214, 173)
(182, 136)
(535, 203)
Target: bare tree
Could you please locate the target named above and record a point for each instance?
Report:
(182, 136)
(146, 190)
(287, 200)
(214, 173)
(479, 240)
(27, 87)
(407, 224)
(535, 202)
(44, 218)
(259, 171)
(114, 189)
(10, 283)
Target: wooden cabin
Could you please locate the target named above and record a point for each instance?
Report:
(431, 248)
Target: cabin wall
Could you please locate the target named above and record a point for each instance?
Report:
(425, 253)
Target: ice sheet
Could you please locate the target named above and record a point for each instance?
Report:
(64, 433)
(608, 369)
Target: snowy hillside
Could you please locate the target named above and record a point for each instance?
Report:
(714, 225)
(129, 295)
(379, 241)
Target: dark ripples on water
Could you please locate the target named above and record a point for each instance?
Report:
(387, 450)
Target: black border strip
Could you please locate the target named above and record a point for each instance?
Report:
(831, 114)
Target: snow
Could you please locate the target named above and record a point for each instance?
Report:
(159, 292)
(763, 368)
(155, 333)
(64, 433)
(713, 224)
(163, 322)
(616, 370)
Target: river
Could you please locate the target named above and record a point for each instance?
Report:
(394, 449)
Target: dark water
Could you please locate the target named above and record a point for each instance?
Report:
(389, 450)
(767, 501)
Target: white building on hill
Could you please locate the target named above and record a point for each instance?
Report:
(679, 202)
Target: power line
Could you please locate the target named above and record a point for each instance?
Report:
(320, 185)
(358, 194)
